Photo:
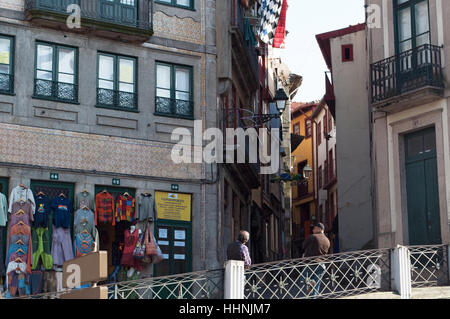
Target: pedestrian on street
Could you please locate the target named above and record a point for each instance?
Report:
(317, 244)
(238, 250)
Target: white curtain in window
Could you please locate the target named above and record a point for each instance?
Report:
(106, 72)
(163, 81)
(182, 84)
(44, 62)
(5, 49)
(66, 65)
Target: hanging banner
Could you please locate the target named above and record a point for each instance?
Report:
(173, 206)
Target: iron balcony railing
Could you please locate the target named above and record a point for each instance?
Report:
(406, 72)
(6, 83)
(429, 266)
(208, 284)
(123, 12)
(332, 276)
(174, 107)
(54, 90)
(116, 99)
(242, 22)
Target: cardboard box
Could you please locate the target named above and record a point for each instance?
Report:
(87, 293)
(90, 269)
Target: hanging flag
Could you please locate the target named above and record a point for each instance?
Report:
(280, 34)
(270, 13)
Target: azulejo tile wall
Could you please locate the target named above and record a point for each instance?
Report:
(80, 151)
(183, 29)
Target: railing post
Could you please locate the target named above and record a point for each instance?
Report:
(401, 271)
(234, 282)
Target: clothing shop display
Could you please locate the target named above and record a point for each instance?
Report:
(36, 282)
(130, 241)
(146, 207)
(125, 208)
(104, 208)
(43, 210)
(21, 211)
(14, 246)
(84, 214)
(62, 249)
(41, 248)
(3, 210)
(18, 284)
(21, 192)
(84, 244)
(84, 198)
(62, 211)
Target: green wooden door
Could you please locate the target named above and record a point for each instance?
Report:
(422, 188)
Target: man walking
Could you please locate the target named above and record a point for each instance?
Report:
(238, 251)
(317, 244)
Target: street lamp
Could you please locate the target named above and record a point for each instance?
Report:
(307, 171)
(281, 98)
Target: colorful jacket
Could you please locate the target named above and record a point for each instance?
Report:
(104, 208)
(125, 209)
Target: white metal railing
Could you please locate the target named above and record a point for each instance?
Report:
(332, 276)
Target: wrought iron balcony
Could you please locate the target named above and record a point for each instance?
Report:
(174, 107)
(108, 18)
(406, 73)
(6, 83)
(58, 91)
(115, 99)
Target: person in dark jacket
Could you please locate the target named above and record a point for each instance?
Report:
(317, 244)
(238, 250)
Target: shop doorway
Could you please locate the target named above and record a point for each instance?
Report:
(110, 235)
(174, 239)
(422, 188)
(53, 190)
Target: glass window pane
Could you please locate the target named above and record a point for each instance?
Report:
(422, 22)
(5, 52)
(430, 141)
(4, 68)
(45, 57)
(66, 78)
(182, 80)
(183, 2)
(415, 145)
(182, 96)
(163, 76)
(126, 70)
(125, 87)
(404, 24)
(44, 75)
(66, 63)
(106, 68)
(102, 84)
(163, 93)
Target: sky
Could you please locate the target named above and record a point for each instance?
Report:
(302, 54)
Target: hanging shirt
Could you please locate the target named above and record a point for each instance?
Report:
(83, 244)
(104, 208)
(24, 230)
(125, 209)
(62, 211)
(21, 211)
(146, 207)
(84, 214)
(42, 212)
(21, 193)
(3, 210)
(84, 199)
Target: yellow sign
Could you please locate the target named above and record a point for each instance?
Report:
(173, 206)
